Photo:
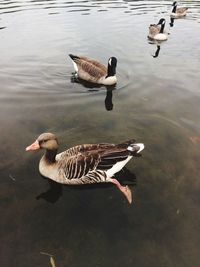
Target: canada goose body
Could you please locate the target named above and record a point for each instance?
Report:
(92, 71)
(156, 31)
(178, 12)
(85, 164)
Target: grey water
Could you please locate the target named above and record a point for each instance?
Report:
(156, 101)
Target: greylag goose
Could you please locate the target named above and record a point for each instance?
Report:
(178, 12)
(156, 31)
(85, 164)
(92, 71)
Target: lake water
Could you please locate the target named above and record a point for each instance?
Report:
(156, 101)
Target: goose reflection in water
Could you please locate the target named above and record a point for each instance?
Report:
(108, 99)
(95, 88)
(171, 22)
(158, 48)
(55, 190)
(157, 51)
(53, 193)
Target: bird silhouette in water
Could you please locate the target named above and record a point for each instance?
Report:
(96, 88)
(108, 99)
(157, 52)
(171, 22)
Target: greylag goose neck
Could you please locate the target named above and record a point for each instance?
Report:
(92, 71)
(85, 164)
(178, 12)
(156, 31)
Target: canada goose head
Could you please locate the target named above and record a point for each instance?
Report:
(174, 7)
(162, 23)
(112, 64)
(174, 3)
(46, 141)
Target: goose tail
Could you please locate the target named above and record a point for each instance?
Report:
(135, 148)
(132, 146)
(73, 57)
(74, 61)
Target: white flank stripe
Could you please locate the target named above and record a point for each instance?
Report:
(117, 167)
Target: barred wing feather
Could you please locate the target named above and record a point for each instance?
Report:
(79, 161)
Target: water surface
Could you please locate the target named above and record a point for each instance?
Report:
(156, 101)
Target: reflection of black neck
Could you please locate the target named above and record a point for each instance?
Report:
(108, 100)
(162, 27)
(111, 71)
(157, 51)
(50, 155)
(174, 9)
(171, 22)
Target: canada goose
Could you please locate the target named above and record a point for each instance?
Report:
(156, 31)
(85, 164)
(92, 71)
(178, 12)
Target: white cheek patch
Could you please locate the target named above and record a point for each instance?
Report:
(110, 61)
(75, 66)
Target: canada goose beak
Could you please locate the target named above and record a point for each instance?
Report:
(33, 146)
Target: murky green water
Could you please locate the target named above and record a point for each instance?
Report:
(156, 101)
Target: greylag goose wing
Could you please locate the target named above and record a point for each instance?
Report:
(78, 161)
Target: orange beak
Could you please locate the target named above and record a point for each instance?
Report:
(34, 146)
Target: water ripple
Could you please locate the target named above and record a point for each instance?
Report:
(136, 7)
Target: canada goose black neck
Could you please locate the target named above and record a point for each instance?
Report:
(162, 27)
(171, 22)
(112, 63)
(174, 9)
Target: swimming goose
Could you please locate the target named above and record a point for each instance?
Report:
(156, 31)
(92, 71)
(85, 164)
(178, 12)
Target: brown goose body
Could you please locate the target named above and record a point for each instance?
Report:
(85, 164)
(178, 12)
(93, 71)
(156, 31)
